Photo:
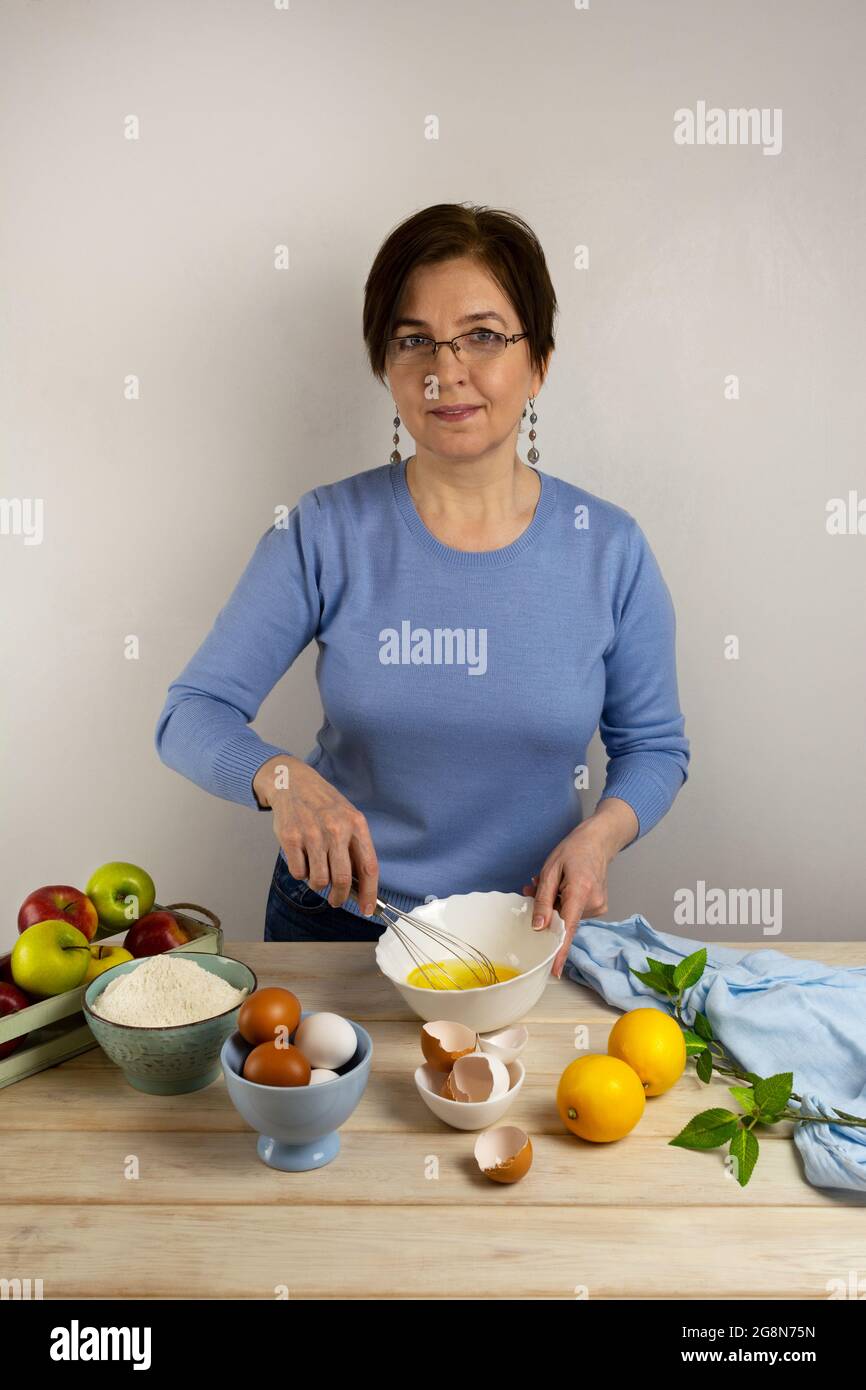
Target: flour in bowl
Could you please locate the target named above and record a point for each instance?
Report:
(164, 991)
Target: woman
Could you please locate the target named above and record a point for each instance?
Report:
(476, 619)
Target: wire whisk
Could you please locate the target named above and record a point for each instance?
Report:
(479, 965)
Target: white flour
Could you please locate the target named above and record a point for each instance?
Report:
(163, 991)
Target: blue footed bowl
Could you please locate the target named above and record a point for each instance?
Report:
(297, 1125)
(169, 1061)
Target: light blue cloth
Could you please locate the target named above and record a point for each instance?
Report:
(771, 1013)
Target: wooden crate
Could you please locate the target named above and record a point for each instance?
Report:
(57, 1026)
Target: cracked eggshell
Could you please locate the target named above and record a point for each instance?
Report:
(507, 1044)
(429, 1084)
(478, 1078)
(504, 1154)
(443, 1042)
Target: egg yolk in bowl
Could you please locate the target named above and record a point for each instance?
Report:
(457, 974)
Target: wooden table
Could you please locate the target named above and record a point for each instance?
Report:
(205, 1218)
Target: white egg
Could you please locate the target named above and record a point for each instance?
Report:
(327, 1040)
(321, 1074)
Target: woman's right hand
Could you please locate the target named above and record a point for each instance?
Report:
(325, 838)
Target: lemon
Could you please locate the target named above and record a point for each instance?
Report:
(652, 1043)
(599, 1098)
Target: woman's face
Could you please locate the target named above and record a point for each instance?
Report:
(440, 301)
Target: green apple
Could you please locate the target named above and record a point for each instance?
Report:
(50, 957)
(104, 955)
(121, 893)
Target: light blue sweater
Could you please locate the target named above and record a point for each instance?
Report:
(460, 689)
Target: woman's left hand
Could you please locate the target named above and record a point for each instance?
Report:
(573, 879)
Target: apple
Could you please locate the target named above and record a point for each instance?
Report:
(152, 935)
(50, 957)
(6, 976)
(103, 955)
(11, 1000)
(55, 902)
(121, 893)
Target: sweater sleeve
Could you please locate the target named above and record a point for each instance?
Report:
(641, 725)
(272, 614)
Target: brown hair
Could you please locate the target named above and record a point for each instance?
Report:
(501, 241)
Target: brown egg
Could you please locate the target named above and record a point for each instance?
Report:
(267, 1010)
(269, 1065)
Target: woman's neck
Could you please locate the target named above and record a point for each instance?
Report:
(473, 507)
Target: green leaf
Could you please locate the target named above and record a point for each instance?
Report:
(703, 1027)
(690, 969)
(661, 967)
(746, 1096)
(744, 1148)
(704, 1065)
(693, 1042)
(656, 982)
(753, 1077)
(708, 1130)
(774, 1093)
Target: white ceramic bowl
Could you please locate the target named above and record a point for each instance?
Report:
(500, 925)
(465, 1114)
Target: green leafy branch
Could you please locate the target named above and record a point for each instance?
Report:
(763, 1100)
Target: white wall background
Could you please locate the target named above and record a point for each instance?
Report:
(155, 257)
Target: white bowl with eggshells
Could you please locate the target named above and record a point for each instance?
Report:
(500, 925)
(486, 1086)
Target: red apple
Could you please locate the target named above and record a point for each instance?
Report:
(55, 903)
(153, 934)
(11, 1000)
(7, 978)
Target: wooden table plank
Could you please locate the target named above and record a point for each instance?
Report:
(218, 1169)
(343, 976)
(451, 1252)
(390, 1103)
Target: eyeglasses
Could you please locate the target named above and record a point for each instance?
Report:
(478, 346)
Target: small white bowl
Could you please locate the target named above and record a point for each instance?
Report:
(462, 1114)
(500, 925)
(507, 1044)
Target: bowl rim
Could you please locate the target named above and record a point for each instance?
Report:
(465, 1104)
(169, 1027)
(306, 1088)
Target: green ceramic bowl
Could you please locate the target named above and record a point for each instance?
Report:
(169, 1061)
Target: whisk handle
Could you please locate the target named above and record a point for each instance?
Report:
(378, 905)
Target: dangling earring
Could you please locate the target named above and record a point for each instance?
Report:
(533, 456)
(395, 457)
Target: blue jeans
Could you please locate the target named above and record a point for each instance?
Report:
(296, 913)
